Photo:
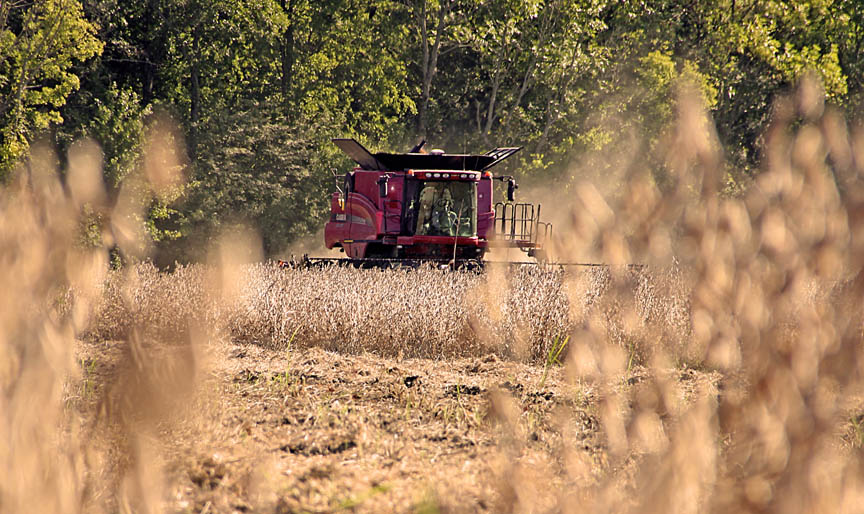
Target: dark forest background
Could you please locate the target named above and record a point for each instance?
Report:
(257, 88)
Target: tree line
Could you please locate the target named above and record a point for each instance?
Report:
(258, 87)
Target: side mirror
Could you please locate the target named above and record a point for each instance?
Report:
(382, 187)
(511, 190)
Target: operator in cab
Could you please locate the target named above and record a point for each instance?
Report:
(435, 216)
(443, 217)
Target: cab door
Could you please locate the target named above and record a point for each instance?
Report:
(392, 205)
(410, 204)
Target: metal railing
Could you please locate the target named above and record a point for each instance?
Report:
(544, 230)
(516, 221)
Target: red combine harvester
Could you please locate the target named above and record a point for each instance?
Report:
(415, 207)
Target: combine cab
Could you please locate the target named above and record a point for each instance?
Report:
(438, 207)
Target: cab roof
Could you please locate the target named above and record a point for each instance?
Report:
(383, 161)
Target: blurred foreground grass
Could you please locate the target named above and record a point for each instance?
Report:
(764, 289)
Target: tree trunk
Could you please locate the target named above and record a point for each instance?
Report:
(547, 28)
(194, 96)
(424, 95)
(148, 68)
(287, 50)
(490, 114)
(553, 111)
(430, 58)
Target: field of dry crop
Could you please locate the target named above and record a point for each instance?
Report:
(724, 376)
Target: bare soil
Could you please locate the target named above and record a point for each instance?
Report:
(264, 430)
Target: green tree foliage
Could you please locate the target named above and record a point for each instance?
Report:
(351, 67)
(255, 168)
(259, 87)
(116, 118)
(758, 49)
(39, 43)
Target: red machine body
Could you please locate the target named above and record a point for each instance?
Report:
(426, 206)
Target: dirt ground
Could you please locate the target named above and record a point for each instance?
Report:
(249, 429)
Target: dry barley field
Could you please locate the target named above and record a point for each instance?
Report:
(723, 376)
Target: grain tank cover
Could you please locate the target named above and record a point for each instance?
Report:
(383, 161)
